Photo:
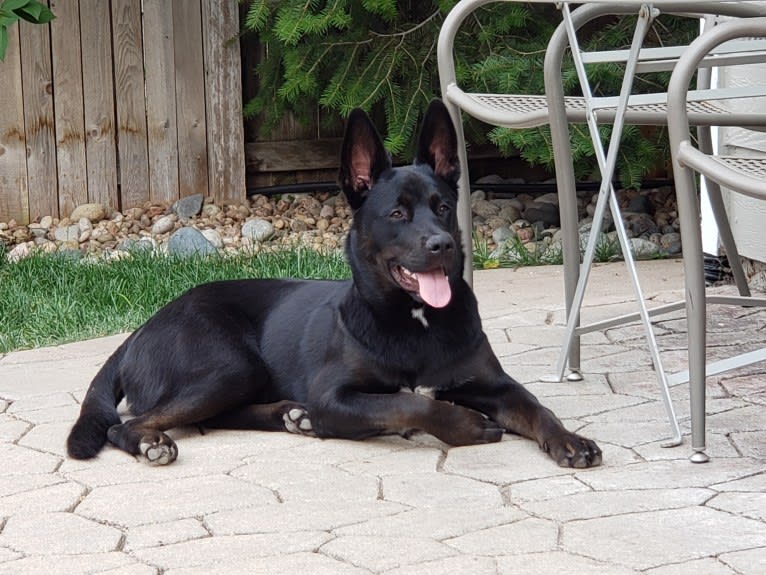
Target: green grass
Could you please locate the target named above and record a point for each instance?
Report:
(49, 299)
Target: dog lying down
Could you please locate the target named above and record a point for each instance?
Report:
(330, 358)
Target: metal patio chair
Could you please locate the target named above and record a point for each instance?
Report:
(553, 108)
(745, 175)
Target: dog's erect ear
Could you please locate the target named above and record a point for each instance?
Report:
(437, 145)
(363, 158)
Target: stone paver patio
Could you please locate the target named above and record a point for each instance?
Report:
(251, 503)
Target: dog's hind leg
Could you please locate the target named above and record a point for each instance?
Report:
(145, 435)
(279, 416)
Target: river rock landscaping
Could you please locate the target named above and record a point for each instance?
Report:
(195, 225)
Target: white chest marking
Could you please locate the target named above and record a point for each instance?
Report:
(417, 313)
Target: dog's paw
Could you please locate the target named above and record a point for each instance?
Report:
(297, 421)
(471, 428)
(158, 449)
(572, 450)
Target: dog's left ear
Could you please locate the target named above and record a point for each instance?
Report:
(437, 145)
(363, 158)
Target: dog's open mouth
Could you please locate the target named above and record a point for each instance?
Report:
(432, 286)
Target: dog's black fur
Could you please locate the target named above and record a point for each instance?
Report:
(334, 358)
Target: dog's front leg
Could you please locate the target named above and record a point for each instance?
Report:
(348, 413)
(517, 410)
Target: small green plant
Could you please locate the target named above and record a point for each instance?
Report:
(12, 11)
(380, 55)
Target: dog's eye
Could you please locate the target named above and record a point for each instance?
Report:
(396, 214)
(443, 209)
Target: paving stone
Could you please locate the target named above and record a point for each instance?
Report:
(161, 501)
(466, 564)
(511, 460)
(368, 553)
(158, 534)
(21, 460)
(339, 451)
(748, 418)
(525, 536)
(308, 563)
(218, 551)
(544, 489)
(102, 563)
(593, 385)
(62, 496)
(7, 555)
(557, 563)
(747, 562)
(64, 413)
(298, 480)
(636, 434)
(658, 538)
(287, 517)
(717, 446)
(755, 483)
(750, 443)
(752, 505)
(434, 490)
(57, 533)
(48, 437)
(11, 429)
(449, 520)
(588, 405)
(595, 358)
(706, 566)
(25, 380)
(676, 473)
(605, 503)
(415, 460)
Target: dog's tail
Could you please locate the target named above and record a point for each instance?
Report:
(99, 410)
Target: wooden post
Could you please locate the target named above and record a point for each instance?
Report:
(37, 81)
(69, 108)
(190, 98)
(159, 63)
(14, 194)
(223, 96)
(129, 86)
(98, 91)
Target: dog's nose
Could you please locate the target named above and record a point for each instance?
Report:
(440, 243)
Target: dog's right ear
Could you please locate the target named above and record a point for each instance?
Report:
(363, 158)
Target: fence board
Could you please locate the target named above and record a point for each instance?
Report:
(100, 143)
(190, 98)
(223, 94)
(130, 101)
(37, 82)
(69, 108)
(160, 100)
(14, 195)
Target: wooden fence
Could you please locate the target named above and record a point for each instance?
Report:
(121, 106)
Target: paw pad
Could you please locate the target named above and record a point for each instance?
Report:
(297, 421)
(157, 453)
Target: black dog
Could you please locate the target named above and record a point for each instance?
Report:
(333, 358)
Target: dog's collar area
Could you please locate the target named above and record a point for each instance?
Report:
(419, 314)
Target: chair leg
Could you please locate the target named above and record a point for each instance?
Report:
(719, 211)
(694, 277)
(567, 194)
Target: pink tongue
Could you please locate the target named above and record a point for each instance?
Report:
(434, 288)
